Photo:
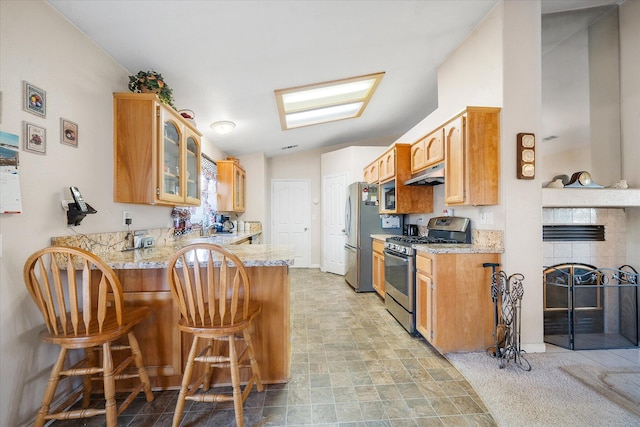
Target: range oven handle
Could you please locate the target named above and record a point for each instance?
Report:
(402, 258)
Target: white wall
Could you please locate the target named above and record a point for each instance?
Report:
(498, 64)
(350, 161)
(307, 165)
(255, 166)
(39, 46)
(630, 100)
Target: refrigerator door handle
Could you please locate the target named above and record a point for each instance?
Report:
(347, 216)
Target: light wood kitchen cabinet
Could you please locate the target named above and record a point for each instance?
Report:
(406, 198)
(232, 186)
(454, 309)
(165, 348)
(156, 153)
(472, 161)
(377, 264)
(371, 173)
(387, 164)
(427, 151)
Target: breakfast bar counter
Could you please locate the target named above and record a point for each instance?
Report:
(143, 275)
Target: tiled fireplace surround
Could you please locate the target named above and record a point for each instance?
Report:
(610, 253)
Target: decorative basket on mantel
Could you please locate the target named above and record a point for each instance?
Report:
(151, 82)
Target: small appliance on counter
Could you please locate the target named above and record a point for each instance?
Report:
(223, 224)
(410, 230)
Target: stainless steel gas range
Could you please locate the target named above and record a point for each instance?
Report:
(399, 264)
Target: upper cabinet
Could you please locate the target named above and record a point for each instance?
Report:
(232, 186)
(427, 151)
(156, 153)
(387, 164)
(395, 197)
(371, 173)
(472, 160)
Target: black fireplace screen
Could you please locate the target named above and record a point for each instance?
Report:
(588, 308)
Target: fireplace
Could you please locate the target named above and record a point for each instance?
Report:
(587, 308)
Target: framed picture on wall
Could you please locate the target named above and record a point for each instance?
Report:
(35, 100)
(35, 138)
(68, 132)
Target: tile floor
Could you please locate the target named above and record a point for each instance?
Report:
(352, 365)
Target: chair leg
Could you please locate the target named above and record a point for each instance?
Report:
(208, 371)
(109, 386)
(235, 381)
(90, 357)
(252, 358)
(186, 379)
(142, 371)
(50, 391)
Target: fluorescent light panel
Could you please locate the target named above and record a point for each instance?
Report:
(325, 102)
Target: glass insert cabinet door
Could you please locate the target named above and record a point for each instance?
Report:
(171, 161)
(193, 168)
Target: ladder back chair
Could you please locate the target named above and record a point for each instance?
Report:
(212, 290)
(81, 301)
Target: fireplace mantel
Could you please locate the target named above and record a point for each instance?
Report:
(590, 198)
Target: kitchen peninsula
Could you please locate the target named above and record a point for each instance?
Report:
(143, 274)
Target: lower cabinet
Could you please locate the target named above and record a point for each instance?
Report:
(454, 309)
(165, 348)
(378, 267)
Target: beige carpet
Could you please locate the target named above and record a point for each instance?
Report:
(620, 385)
(545, 396)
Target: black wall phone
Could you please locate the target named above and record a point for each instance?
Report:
(78, 209)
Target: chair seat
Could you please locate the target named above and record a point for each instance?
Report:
(207, 329)
(93, 337)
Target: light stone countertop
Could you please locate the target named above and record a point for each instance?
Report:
(382, 237)
(457, 249)
(108, 246)
(158, 257)
(448, 248)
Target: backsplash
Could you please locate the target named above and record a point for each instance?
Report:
(610, 253)
(102, 243)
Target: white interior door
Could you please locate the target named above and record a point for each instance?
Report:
(290, 218)
(334, 188)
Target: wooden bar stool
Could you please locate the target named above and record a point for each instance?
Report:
(85, 310)
(212, 291)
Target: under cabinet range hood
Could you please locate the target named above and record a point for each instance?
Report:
(431, 176)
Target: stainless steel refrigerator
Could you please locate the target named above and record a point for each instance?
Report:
(361, 221)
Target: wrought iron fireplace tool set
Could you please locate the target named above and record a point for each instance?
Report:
(507, 293)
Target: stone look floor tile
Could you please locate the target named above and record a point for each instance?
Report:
(352, 365)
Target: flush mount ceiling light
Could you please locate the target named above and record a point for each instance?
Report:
(223, 127)
(325, 102)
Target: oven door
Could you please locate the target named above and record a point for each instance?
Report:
(399, 278)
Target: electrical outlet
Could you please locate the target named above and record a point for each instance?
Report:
(126, 215)
(486, 218)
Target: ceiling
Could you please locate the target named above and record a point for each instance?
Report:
(224, 59)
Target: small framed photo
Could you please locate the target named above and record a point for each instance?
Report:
(68, 132)
(35, 138)
(35, 100)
